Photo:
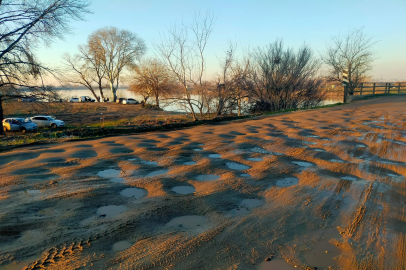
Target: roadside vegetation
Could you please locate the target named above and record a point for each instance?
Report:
(267, 79)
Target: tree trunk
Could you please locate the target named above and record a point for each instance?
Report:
(101, 92)
(157, 100)
(113, 91)
(1, 116)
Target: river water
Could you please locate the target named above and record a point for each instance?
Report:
(66, 94)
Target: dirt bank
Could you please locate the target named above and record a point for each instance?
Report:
(320, 188)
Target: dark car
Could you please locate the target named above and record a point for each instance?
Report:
(120, 100)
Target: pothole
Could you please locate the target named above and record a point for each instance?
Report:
(259, 150)
(236, 166)
(122, 245)
(254, 159)
(287, 182)
(245, 175)
(251, 203)
(190, 163)
(136, 193)
(207, 177)
(198, 149)
(184, 190)
(245, 207)
(350, 178)
(109, 173)
(187, 222)
(147, 162)
(214, 156)
(302, 164)
(110, 211)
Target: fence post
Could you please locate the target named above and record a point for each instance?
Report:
(399, 88)
(388, 88)
(345, 92)
(362, 86)
(373, 90)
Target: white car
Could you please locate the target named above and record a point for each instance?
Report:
(19, 124)
(47, 121)
(74, 100)
(130, 101)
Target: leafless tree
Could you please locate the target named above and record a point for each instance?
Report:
(184, 56)
(283, 79)
(85, 68)
(23, 25)
(115, 49)
(352, 51)
(152, 79)
(224, 83)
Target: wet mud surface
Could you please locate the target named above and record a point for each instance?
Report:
(321, 188)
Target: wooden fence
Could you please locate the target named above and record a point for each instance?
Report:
(379, 88)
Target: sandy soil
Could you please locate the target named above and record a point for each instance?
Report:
(321, 188)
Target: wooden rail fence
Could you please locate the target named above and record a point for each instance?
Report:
(368, 89)
(379, 88)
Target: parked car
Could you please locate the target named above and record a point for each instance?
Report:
(120, 100)
(19, 124)
(130, 101)
(74, 100)
(47, 121)
(86, 99)
(28, 99)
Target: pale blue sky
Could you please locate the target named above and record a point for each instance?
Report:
(254, 23)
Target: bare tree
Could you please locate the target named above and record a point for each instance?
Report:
(224, 83)
(152, 79)
(81, 72)
(352, 51)
(184, 56)
(281, 78)
(115, 49)
(23, 24)
(85, 68)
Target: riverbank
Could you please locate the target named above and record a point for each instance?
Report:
(95, 120)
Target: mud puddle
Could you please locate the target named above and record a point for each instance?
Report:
(188, 222)
(207, 177)
(236, 166)
(111, 210)
(136, 193)
(122, 245)
(214, 156)
(323, 255)
(251, 203)
(184, 190)
(287, 182)
(276, 264)
(190, 163)
(255, 159)
(110, 173)
(302, 164)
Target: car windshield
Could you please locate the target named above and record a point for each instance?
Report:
(50, 118)
(27, 120)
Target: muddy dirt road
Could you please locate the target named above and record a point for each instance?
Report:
(320, 188)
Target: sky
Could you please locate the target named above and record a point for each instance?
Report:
(251, 24)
